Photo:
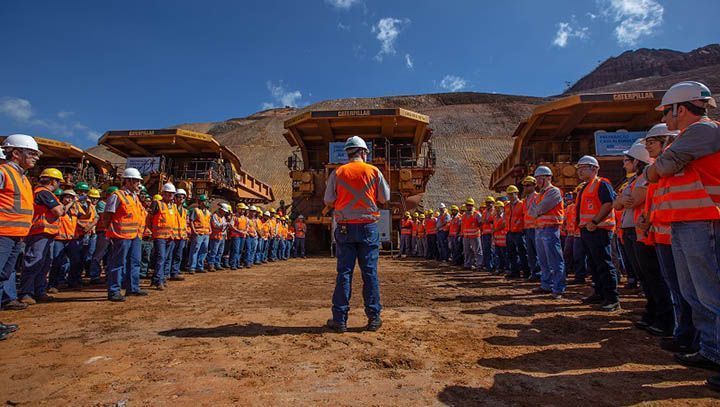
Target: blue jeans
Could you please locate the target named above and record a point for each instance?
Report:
(101, 248)
(550, 256)
(60, 264)
(89, 245)
(432, 252)
(685, 332)
(405, 245)
(236, 250)
(442, 244)
(533, 264)
(198, 252)
(579, 259)
(36, 264)
(299, 247)
(500, 257)
(75, 250)
(10, 249)
(215, 250)
(174, 258)
(517, 253)
(249, 254)
(471, 251)
(273, 251)
(696, 248)
(123, 269)
(356, 243)
(604, 274)
(163, 254)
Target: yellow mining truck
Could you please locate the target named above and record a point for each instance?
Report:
(76, 164)
(558, 133)
(193, 161)
(399, 142)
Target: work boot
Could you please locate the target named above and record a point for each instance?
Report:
(15, 305)
(671, 345)
(657, 330)
(177, 278)
(512, 276)
(336, 326)
(696, 360)
(116, 297)
(592, 299)
(26, 299)
(45, 298)
(539, 290)
(199, 271)
(611, 307)
(556, 296)
(190, 272)
(159, 286)
(140, 293)
(9, 327)
(53, 290)
(374, 324)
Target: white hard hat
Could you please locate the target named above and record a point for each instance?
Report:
(588, 160)
(543, 170)
(356, 142)
(686, 92)
(660, 130)
(442, 205)
(301, 217)
(69, 192)
(132, 173)
(253, 208)
(180, 191)
(267, 213)
(169, 187)
(226, 207)
(2, 154)
(21, 141)
(639, 152)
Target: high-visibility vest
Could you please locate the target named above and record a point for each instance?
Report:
(500, 230)
(252, 227)
(516, 216)
(529, 221)
(570, 220)
(444, 221)
(99, 226)
(202, 221)
(640, 235)
(266, 229)
(43, 220)
(300, 230)
(181, 225)
(421, 230)
(66, 227)
(659, 232)
(126, 222)
(217, 232)
(487, 221)
(241, 224)
(164, 221)
(590, 205)
(406, 227)
(693, 194)
(553, 217)
(356, 190)
(415, 228)
(290, 233)
(455, 226)
(85, 221)
(470, 226)
(431, 226)
(16, 203)
(272, 227)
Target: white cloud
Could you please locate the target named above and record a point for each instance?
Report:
(281, 96)
(634, 18)
(569, 30)
(22, 112)
(387, 31)
(342, 4)
(408, 61)
(343, 27)
(453, 83)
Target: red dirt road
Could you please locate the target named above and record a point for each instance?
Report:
(255, 337)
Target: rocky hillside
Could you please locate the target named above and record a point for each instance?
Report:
(647, 63)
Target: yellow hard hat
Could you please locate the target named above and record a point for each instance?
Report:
(529, 180)
(436, 214)
(470, 201)
(415, 215)
(454, 208)
(463, 207)
(512, 189)
(272, 210)
(157, 197)
(407, 213)
(52, 173)
(242, 205)
(499, 204)
(422, 216)
(428, 212)
(489, 199)
(94, 193)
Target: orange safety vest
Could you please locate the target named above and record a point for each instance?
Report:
(216, 233)
(590, 205)
(266, 229)
(529, 221)
(202, 221)
(16, 203)
(431, 226)
(659, 232)
(641, 236)
(553, 217)
(300, 229)
(164, 221)
(252, 227)
(406, 227)
(127, 221)
(455, 225)
(487, 221)
(570, 220)
(43, 221)
(356, 189)
(66, 227)
(99, 226)
(415, 228)
(470, 226)
(692, 194)
(446, 226)
(181, 225)
(516, 216)
(500, 230)
(85, 221)
(272, 227)
(421, 229)
(290, 233)
(239, 223)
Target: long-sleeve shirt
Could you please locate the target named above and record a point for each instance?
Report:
(698, 140)
(550, 200)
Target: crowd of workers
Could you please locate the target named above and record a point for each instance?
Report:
(52, 237)
(659, 228)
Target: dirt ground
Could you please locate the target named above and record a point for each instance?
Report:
(255, 337)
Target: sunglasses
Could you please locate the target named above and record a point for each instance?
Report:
(667, 110)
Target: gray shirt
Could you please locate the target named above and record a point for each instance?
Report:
(628, 217)
(545, 203)
(112, 202)
(698, 140)
(382, 196)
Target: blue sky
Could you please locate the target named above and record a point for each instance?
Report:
(73, 69)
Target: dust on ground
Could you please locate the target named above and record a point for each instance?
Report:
(255, 337)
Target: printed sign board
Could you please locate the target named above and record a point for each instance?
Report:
(338, 155)
(614, 143)
(145, 165)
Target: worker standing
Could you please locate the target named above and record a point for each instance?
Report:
(180, 236)
(218, 230)
(500, 231)
(16, 216)
(163, 218)
(87, 226)
(549, 212)
(406, 226)
(529, 196)
(422, 236)
(574, 243)
(443, 226)
(67, 253)
(688, 171)
(300, 232)
(102, 243)
(238, 233)
(199, 220)
(486, 233)
(414, 243)
(248, 258)
(516, 247)
(431, 231)
(596, 220)
(470, 229)
(123, 222)
(82, 239)
(454, 246)
(146, 243)
(354, 190)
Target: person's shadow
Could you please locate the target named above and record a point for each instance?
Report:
(248, 330)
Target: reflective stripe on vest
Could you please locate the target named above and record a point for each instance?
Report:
(406, 226)
(590, 206)
(357, 186)
(470, 226)
(300, 229)
(125, 223)
(487, 221)
(500, 230)
(529, 221)
(553, 217)
(181, 225)
(570, 220)
(44, 221)
(455, 225)
(659, 231)
(202, 221)
(516, 216)
(217, 233)
(431, 226)
(66, 227)
(16, 203)
(163, 221)
(85, 222)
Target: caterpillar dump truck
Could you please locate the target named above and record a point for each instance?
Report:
(75, 163)
(193, 161)
(558, 133)
(399, 143)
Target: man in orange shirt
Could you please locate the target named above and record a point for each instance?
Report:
(61, 270)
(516, 247)
(300, 231)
